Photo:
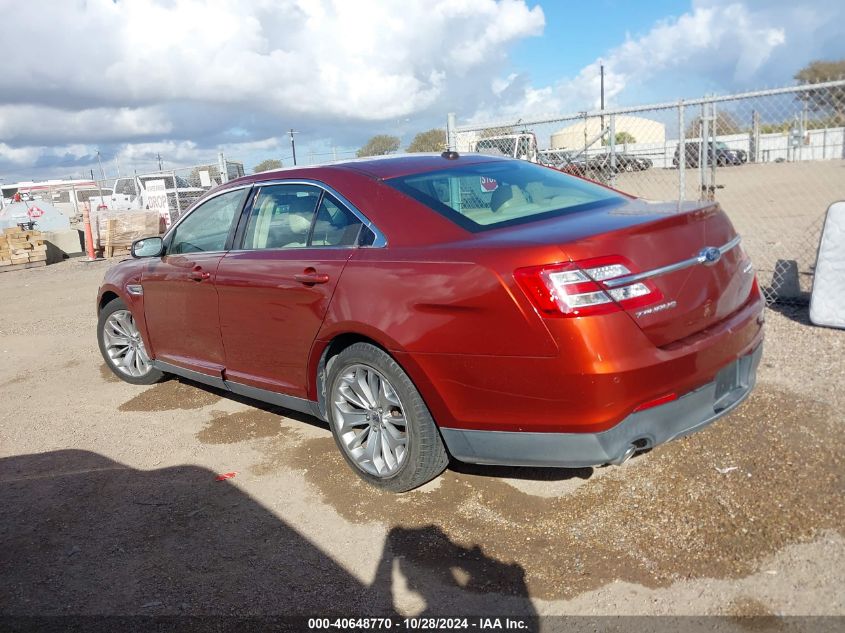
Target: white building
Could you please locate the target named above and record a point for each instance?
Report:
(642, 130)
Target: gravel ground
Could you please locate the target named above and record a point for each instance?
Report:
(110, 504)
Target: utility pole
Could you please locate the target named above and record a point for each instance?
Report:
(601, 70)
(293, 145)
(99, 162)
(159, 161)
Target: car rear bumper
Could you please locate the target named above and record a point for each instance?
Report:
(643, 429)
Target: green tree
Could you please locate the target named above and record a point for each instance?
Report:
(433, 140)
(379, 145)
(622, 138)
(625, 137)
(267, 165)
(825, 101)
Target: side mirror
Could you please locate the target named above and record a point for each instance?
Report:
(147, 247)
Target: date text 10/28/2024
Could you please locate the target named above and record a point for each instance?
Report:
(420, 624)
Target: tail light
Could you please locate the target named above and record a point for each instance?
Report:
(578, 288)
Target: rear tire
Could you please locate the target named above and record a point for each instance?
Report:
(122, 347)
(379, 421)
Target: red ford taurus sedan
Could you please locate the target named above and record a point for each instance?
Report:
(428, 306)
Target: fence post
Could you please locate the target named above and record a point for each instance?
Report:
(612, 144)
(450, 132)
(712, 148)
(754, 154)
(704, 134)
(224, 173)
(682, 152)
(178, 204)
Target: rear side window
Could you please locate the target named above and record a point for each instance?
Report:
(496, 194)
(335, 225)
(299, 216)
(281, 217)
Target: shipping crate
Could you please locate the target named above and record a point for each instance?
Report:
(121, 228)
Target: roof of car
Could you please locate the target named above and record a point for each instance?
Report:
(380, 167)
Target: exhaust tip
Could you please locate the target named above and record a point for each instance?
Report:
(624, 457)
(638, 446)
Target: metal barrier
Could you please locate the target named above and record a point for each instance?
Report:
(774, 159)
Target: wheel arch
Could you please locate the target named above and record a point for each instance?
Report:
(324, 350)
(106, 297)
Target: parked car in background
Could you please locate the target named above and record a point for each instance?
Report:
(718, 151)
(490, 310)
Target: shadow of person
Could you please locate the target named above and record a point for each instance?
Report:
(82, 534)
(452, 580)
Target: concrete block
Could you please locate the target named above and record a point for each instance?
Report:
(62, 244)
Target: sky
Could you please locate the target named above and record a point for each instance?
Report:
(132, 79)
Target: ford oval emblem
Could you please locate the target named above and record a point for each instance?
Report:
(710, 255)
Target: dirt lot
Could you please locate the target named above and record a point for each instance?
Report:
(110, 504)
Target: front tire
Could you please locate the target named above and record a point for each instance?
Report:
(379, 420)
(122, 347)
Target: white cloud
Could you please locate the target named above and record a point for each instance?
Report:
(53, 125)
(716, 46)
(365, 59)
(100, 72)
(731, 41)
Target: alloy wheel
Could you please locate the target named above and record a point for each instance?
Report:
(124, 345)
(370, 420)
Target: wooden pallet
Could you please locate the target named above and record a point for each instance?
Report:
(8, 269)
(19, 246)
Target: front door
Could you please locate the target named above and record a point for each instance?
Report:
(275, 290)
(180, 298)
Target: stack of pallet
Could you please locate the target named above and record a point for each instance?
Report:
(116, 230)
(21, 249)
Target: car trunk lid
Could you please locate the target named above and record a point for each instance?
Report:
(688, 252)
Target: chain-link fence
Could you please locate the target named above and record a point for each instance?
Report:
(129, 206)
(774, 159)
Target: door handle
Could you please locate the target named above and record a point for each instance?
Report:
(312, 277)
(198, 275)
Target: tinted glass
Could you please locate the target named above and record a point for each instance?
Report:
(281, 217)
(126, 186)
(207, 227)
(491, 195)
(335, 225)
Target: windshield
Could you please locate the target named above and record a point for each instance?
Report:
(491, 195)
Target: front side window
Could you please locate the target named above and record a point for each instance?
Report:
(207, 227)
(492, 195)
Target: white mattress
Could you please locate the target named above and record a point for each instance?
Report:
(827, 303)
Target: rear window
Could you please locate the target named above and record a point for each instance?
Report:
(493, 195)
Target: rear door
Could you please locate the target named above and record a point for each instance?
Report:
(275, 289)
(180, 298)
